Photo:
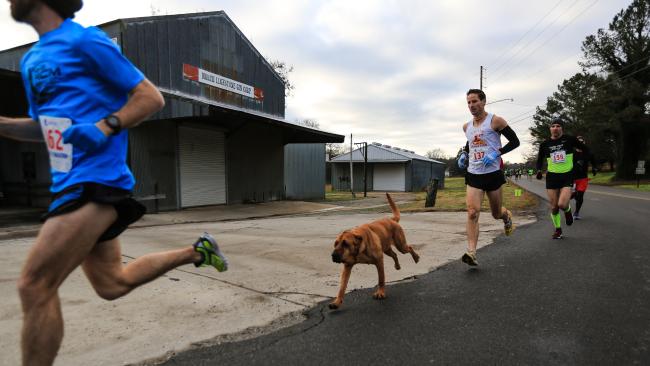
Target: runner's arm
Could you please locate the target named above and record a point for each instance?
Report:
(144, 100)
(540, 157)
(500, 125)
(513, 140)
(21, 129)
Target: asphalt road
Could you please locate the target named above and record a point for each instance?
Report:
(582, 300)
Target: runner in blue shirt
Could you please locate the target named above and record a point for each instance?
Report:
(83, 95)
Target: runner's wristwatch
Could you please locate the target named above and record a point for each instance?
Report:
(114, 123)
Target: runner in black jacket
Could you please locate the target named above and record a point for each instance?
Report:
(581, 160)
(558, 151)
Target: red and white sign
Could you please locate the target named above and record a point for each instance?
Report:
(205, 77)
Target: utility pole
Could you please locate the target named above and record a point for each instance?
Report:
(364, 152)
(365, 171)
(481, 82)
(351, 168)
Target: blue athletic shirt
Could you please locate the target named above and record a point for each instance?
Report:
(76, 75)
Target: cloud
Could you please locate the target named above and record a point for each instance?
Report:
(397, 71)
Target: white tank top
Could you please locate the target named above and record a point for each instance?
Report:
(482, 140)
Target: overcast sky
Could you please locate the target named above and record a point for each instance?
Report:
(396, 72)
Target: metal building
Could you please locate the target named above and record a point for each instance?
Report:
(221, 136)
(388, 169)
(304, 164)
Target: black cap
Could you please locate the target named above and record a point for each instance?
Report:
(65, 8)
(557, 121)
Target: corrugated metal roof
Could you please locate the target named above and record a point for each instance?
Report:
(378, 153)
(326, 136)
(219, 13)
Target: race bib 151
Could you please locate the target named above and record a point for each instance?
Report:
(558, 156)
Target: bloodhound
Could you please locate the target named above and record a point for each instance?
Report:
(367, 244)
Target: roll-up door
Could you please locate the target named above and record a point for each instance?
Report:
(202, 167)
(389, 177)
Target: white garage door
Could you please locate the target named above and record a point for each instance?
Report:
(202, 167)
(389, 177)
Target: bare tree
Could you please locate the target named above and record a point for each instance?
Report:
(154, 10)
(436, 154)
(283, 70)
(312, 123)
(334, 150)
(530, 157)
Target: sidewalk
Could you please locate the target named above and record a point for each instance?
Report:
(12, 228)
(21, 222)
(280, 266)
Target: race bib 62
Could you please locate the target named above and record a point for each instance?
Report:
(60, 153)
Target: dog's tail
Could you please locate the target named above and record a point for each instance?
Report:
(393, 208)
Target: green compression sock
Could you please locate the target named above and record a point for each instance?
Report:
(556, 220)
(568, 209)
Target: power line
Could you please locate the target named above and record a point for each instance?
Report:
(523, 118)
(555, 64)
(522, 37)
(536, 37)
(530, 113)
(548, 40)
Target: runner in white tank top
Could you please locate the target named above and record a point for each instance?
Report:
(482, 141)
(482, 157)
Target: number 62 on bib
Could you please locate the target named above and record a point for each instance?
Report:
(60, 153)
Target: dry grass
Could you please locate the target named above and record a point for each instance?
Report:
(452, 198)
(607, 179)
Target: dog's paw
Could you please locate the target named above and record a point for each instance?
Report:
(416, 257)
(379, 295)
(335, 304)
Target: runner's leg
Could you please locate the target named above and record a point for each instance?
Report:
(553, 196)
(495, 198)
(564, 199)
(473, 201)
(111, 279)
(564, 203)
(580, 196)
(61, 245)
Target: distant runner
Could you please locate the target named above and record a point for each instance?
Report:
(558, 151)
(581, 160)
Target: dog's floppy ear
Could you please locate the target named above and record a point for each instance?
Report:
(361, 243)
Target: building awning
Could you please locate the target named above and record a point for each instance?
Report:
(294, 133)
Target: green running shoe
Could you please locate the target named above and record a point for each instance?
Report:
(210, 253)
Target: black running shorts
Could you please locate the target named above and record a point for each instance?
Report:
(74, 197)
(559, 180)
(486, 182)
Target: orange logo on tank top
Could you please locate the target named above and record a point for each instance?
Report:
(478, 140)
